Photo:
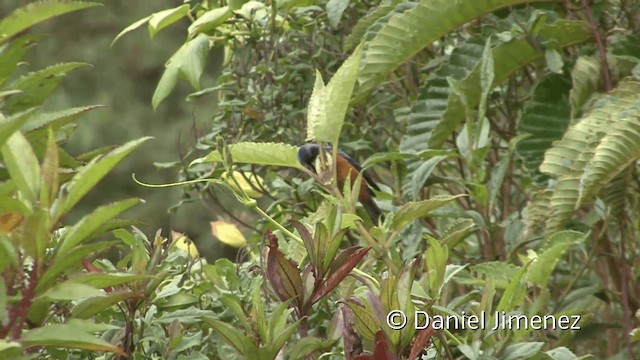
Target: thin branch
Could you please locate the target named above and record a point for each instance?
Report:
(602, 52)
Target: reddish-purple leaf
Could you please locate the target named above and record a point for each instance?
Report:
(342, 257)
(282, 274)
(339, 274)
(306, 238)
(421, 341)
(381, 350)
(351, 340)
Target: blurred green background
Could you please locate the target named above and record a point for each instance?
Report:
(123, 78)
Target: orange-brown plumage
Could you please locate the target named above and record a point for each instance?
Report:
(345, 167)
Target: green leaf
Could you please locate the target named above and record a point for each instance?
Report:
(333, 102)
(418, 209)
(11, 54)
(32, 14)
(307, 346)
(10, 349)
(105, 280)
(210, 20)
(187, 62)
(270, 154)
(316, 108)
(554, 60)
(364, 23)
(76, 334)
(130, 28)
(71, 260)
(618, 149)
(514, 293)
(335, 9)
(436, 258)
(586, 77)
(232, 336)
(545, 118)
(402, 34)
(281, 337)
(422, 174)
(162, 19)
(85, 229)
(11, 124)
(521, 351)
(438, 112)
(583, 162)
(8, 254)
(90, 175)
(561, 353)
(56, 119)
(69, 290)
(487, 74)
(95, 305)
(50, 181)
(22, 165)
(38, 85)
(541, 268)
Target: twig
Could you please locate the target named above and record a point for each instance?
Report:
(602, 53)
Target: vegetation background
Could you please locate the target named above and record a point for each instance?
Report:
(504, 135)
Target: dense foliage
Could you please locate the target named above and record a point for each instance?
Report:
(504, 135)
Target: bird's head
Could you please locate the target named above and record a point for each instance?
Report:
(307, 155)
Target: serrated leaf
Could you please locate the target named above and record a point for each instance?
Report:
(541, 268)
(418, 209)
(586, 78)
(546, 117)
(56, 119)
(86, 228)
(328, 105)
(12, 123)
(90, 175)
(364, 23)
(403, 33)
(438, 112)
(38, 85)
(187, 62)
(271, 154)
(11, 55)
(32, 14)
(162, 19)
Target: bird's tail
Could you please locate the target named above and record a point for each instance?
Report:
(373, 210)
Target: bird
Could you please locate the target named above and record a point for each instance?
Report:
(345, 166)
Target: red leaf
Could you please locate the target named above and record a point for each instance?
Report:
(339, 274)
(282, 274)
(421, 342)
(381, 351)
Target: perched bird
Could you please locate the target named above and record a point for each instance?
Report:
(345, 166)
